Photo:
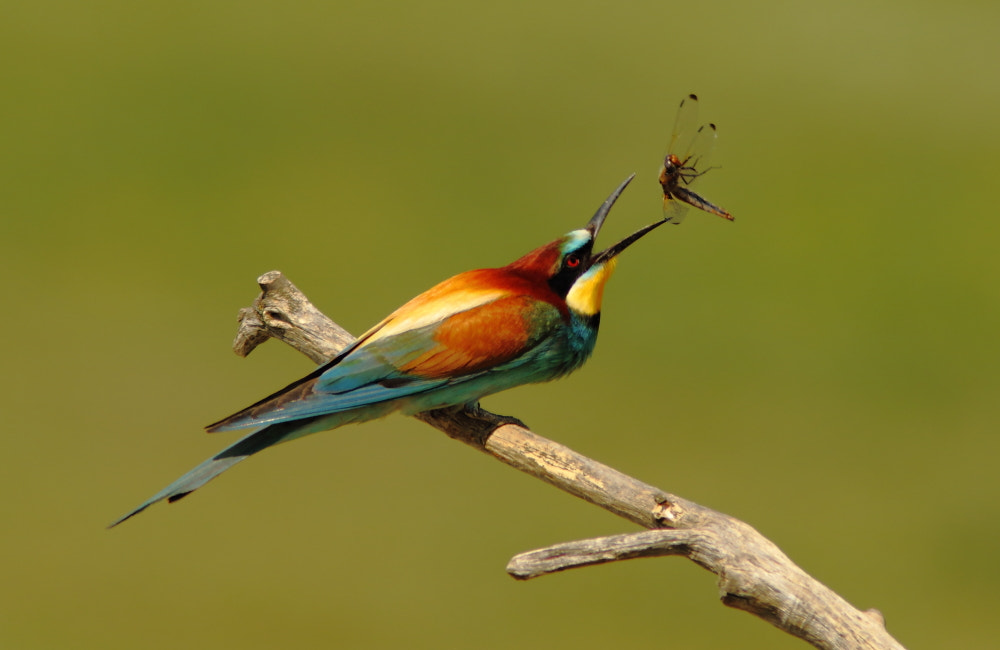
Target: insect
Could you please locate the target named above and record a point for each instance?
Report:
(686, 160)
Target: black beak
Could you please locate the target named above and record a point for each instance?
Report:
(595, 223)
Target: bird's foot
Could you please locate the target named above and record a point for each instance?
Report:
(477, 412)
(468, 422)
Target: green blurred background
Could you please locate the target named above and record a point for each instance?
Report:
(824, 368)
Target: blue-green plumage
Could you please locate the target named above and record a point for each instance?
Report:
(473, 335)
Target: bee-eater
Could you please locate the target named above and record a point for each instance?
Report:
(475, 334)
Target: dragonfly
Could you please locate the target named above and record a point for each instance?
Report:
(687, 160)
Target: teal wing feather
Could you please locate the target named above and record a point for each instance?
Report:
(409, 364)
(366, 375)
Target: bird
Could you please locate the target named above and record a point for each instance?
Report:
(475, 334)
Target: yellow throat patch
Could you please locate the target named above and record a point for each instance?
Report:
(585, 295)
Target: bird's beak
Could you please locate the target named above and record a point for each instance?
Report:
(595, 223)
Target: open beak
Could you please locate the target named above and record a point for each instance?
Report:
(595, 223)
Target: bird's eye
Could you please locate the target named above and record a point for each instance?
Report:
(572, 261)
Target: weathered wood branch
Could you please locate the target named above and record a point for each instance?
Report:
(754, 575)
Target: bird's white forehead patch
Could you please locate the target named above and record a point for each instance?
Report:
(575, 240)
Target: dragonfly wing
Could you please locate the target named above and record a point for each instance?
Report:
(698, 154)
(685, 126)
(674, 208)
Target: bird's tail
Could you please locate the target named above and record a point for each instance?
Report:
(247, 446)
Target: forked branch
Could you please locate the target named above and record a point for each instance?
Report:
(753, 574)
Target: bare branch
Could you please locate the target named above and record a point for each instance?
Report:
(754, 575)
(283, 312)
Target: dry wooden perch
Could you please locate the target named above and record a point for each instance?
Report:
(754, 575)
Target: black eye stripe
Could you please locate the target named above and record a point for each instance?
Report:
(571, 267)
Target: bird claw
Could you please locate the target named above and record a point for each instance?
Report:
(477, 412)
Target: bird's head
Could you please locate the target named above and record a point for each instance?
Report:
(571, 267)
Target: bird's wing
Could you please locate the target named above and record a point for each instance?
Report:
(446, 347)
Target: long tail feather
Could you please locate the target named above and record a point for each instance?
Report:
(205, 472)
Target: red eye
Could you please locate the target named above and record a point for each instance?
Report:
(572, 261)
